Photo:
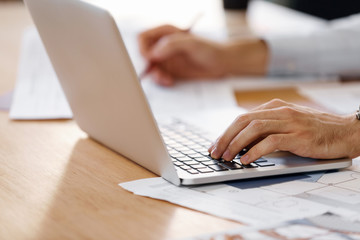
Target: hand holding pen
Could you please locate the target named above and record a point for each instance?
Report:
(152, 64)
(176, 54)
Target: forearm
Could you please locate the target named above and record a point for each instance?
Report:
(245, 57)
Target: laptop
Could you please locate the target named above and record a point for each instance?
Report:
(108, 103)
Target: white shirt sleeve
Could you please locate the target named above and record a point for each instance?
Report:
(334, 50)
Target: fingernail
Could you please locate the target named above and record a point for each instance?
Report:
(245, 159)
(226, 155)
(215, 153)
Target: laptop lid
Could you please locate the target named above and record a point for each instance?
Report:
(99, 81)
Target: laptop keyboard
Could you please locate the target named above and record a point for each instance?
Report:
(187, 147)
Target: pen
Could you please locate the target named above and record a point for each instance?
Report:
(152, 64)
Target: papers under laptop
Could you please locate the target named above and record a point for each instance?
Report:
(108, 102)
(38, 94)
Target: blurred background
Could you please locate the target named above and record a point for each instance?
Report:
(321, 8)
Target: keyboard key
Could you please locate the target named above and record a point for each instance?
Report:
(203, 159)
(192, 171)
(181, 148)
(185, 167)
(265, 164)
(187, 133)
(191, 162)
(261, 160)
(184, 141)
(184, 159)
(178, 164)
(217, 168)
(199, 148)
(251, 165)
(189, 151)
(198, 166)
(231, 165)
(176, 155)
(205, 170)
(210, 162)
(195, 155)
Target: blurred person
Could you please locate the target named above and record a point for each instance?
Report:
(178, 54)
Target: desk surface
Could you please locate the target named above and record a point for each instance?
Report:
(56, 183)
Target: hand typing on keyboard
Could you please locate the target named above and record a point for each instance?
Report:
(278, 125)
(187, 148)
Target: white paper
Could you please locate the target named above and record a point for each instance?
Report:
(5, 101)
(224, 205)
(288, 200)
(189, 97)
(37, 93)
(329, 226)
(217, 205)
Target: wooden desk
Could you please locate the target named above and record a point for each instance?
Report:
(55, 183)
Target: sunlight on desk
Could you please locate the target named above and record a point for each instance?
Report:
(28, 183)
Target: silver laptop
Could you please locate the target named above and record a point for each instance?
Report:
(108, 103)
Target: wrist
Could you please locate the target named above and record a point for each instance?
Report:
(246, 57)
(354, 136)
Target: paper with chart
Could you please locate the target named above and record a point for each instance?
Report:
(322, 227)
(282, 198)
(208, 202)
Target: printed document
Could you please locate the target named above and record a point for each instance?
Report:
(325, 226)
(37, 94)
(256, 201)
